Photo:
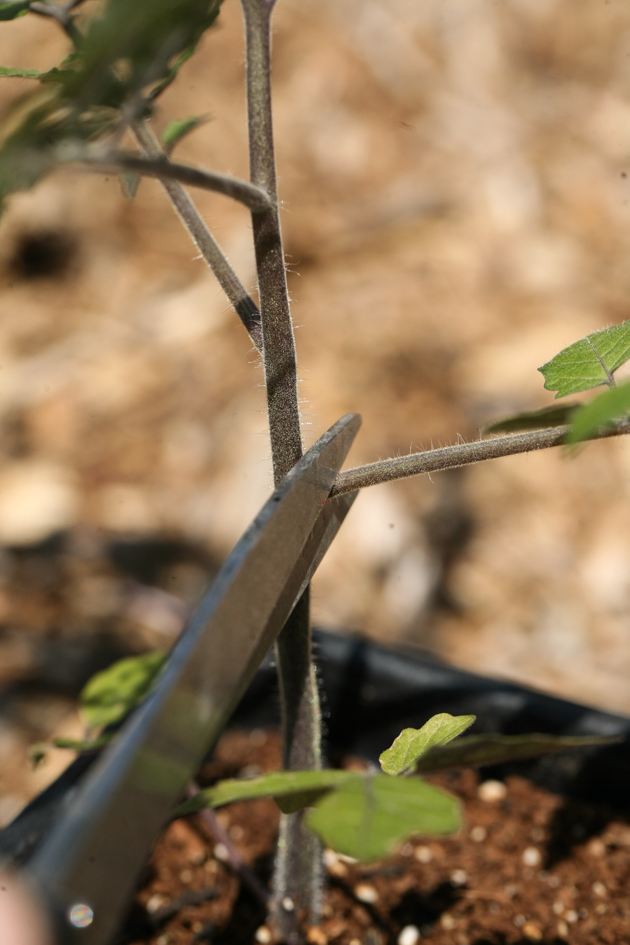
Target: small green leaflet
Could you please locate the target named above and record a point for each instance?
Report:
(39, 752)
(361, 815)
(590, 362)
(413, 743)
(10, 73)
(13, 9)
(176, 130)
(600, 412)
(496, 749)
(108, 696)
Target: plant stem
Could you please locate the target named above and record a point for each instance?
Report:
(254, 198)
(279, 343)
(212, 827)
(298, 877)
(460, 454)
(62, 14)
(201, 236)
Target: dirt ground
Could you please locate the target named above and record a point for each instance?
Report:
(456, 205)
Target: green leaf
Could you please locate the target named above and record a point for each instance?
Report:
(10, 73)
(302, 788)
(413, 743)
(13, 8)
(496, 749)
(368, 817)
(589, 362)
(362, 815)
(112, 693)
(599, 413)
(555, 416)
(176, 130)
(34, 128)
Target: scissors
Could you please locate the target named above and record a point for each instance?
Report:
(86, 869)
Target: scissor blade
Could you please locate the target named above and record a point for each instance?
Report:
(86, 870)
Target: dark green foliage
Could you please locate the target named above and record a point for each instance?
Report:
(13, 8)
(554, 416)
(128, 54)
(133, 47)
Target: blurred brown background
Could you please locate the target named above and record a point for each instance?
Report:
(456, 210)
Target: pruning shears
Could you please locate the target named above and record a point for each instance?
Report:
(85, 870)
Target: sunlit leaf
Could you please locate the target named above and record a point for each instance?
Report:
(10, 9)
(112, 693)
(413, 743)
(363, 815)
(589, 362)
(601, 412)
(368, 817)
(554, 416)
(496, 749)
(176, 130)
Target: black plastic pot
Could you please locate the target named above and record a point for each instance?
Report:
(370, 692)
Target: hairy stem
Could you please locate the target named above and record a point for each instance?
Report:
(212, 827)
(201, 236)
(62, 14)
(460, 454)
(297, 881)
(279, 343)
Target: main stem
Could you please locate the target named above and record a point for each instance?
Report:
(297, 881)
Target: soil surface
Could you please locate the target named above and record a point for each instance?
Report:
(527, 866)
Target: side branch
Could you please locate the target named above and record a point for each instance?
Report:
(253, 197)
(460, 454)
(203, 239)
